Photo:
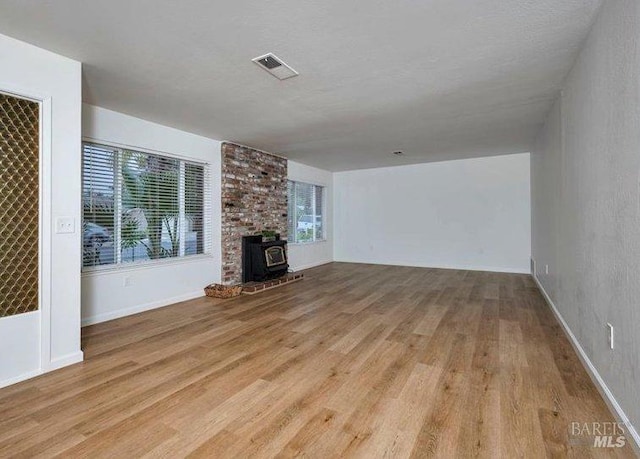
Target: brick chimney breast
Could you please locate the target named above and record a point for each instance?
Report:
(254, 198)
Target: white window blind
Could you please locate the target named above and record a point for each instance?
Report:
(305, 212)
(139, 206)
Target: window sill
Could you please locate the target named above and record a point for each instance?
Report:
(321, 241)
(143, 265)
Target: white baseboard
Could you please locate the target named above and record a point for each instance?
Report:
(607, 395)
(22, 377)
(65, 360)
(55, 364)
(495, 269)
(91, 320)
(310, 265)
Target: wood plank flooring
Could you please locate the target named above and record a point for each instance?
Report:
(354, 361)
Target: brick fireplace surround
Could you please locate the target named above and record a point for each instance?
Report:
(254, 198)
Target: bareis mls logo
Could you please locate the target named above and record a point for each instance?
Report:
(598, 434)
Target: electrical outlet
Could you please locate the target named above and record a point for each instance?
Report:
(546, 269)
(65, 225)
(610, 327)
(126, 282)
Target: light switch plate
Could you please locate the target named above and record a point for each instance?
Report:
(65, 225)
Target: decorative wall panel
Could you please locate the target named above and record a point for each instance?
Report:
(19, 205)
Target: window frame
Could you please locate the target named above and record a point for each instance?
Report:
(207, 213)
(292, 238)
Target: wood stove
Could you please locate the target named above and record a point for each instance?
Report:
(263, 260)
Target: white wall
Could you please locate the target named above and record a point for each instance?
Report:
(104, 295)
(464, 214)
(586, 203)
(546, 194)
(303, 256)
(34, 72)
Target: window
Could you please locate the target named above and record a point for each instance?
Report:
(140, 206)
(305, 212)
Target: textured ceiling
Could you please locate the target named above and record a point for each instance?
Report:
(438, 79)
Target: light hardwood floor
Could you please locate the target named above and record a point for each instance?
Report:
(356, 361)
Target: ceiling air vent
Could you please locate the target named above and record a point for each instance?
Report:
(275, 66)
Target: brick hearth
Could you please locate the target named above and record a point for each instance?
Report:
(252, 288)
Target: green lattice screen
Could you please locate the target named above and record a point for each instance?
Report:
(19, 207)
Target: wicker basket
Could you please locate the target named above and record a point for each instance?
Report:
(222, 291)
